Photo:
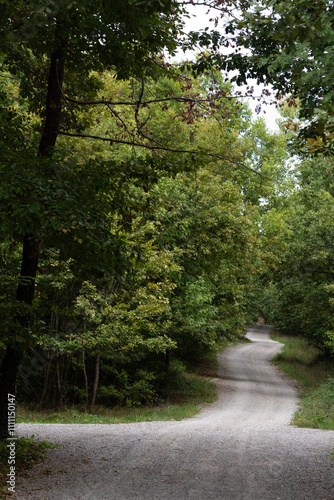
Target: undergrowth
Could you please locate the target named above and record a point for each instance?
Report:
(314, 374)
(27, 453)
(183, 397)
(184, 401)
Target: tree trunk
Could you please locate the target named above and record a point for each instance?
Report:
(53, 101)
(9, 369)
(167, 360)
(14, 351)
(26, 287)
(85, 377)
(59, 384)
(96, 380)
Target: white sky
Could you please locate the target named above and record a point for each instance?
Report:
(200, 20)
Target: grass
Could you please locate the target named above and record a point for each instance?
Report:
(27, 454)
(314, 375)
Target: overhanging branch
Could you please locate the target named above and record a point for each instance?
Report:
(134, 103)
(161, 148)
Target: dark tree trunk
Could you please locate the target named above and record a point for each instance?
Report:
(167, 360)
(14, 352)
(26, 287)
(53, 102)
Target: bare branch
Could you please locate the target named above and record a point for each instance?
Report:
(134, 103)
(117, 115)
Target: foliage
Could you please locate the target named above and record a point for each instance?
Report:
(290, 45)
(184, 289)
(118, 318)
(96, 34)
(299, 291)
(210, 230)
(145, 258)
(187, 395)
(27, 453)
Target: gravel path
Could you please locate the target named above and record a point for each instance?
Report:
(239, 448)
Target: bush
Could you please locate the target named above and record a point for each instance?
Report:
(128, 391)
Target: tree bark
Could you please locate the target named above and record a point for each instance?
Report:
(96, 380)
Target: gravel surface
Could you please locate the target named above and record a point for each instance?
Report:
(239, 448)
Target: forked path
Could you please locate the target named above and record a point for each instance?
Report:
(240, 448)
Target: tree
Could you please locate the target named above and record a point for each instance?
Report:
(289, 44)
(205, 221)
(52, 47)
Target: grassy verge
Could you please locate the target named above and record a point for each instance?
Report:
(27, 454)
(315, 380)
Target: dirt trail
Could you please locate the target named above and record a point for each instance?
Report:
(239, 448)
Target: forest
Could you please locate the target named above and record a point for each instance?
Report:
(147, 217)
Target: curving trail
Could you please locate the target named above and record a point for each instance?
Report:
(239, 448)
